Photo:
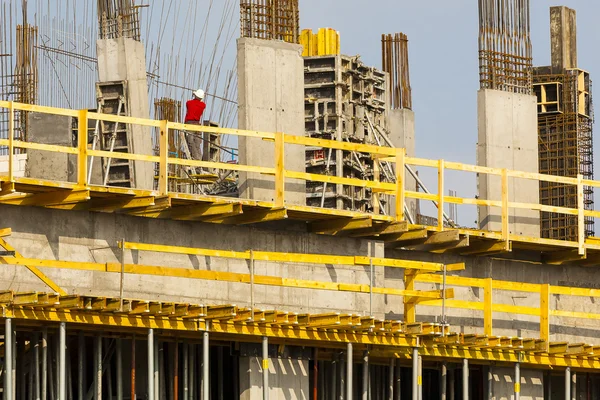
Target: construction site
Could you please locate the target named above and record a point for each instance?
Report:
(287, 245)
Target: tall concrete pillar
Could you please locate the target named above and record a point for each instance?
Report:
(507, 125)
(124, 59)
(563, 34)
(270, 99)
(402, 134)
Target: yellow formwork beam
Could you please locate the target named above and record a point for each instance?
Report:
(323, 43)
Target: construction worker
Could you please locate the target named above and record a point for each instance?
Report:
(194, 110)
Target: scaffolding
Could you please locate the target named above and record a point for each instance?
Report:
(565, 118)
(345, 100)
(270, 20)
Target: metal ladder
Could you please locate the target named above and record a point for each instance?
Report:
(113, 137)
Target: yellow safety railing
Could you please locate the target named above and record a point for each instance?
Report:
(395, 156)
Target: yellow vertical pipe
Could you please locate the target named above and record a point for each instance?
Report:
(163, 175)
(400, 177)
(11, 138)
(441, 195)
(410, 307)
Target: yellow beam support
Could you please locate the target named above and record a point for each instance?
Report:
(7, 188)
(341, 224)
(487, 247)
(5, 232)
(33, 269)
(48, 199)
(487, 307)
(109, 205)
(381, 229)
(545, 313)
(406, 264)
(405, 236)
(250, 217)
(187, 213)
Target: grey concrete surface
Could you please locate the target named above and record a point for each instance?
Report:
(402, 134)
(563, 34)
(532, 384)
(270, 99)
(288, 379)
(507, 138)
(124, 59)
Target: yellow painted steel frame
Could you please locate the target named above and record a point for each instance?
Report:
(280, 140)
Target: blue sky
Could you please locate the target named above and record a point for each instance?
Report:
(443, 63)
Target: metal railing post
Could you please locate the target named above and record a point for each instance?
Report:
(487, 306)
(163, 169)
(82, 146)
(400, 183)
(11, 140)
(441, 195)
(545, 313)
(279, 170)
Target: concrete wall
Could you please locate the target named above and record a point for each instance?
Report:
(124, 59)
(92, 237)
(270, 99)
(507, 125)
(288, 379)
(402, 134)
(503, 385)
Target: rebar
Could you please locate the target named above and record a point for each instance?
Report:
(118, 18)
(270, 20)
(505, 52)
(394, 53)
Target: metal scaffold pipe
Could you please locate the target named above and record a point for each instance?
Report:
(8, 379)
(349, 358)
(365, 376)
(444, 381)
(465, 378)
(205, 369)
(150, 364)
(391, 379)
(415, 374)
(119, 369)
(62, 361)
(568, 383)
(265, 367)
(98, 371)
(517, 381)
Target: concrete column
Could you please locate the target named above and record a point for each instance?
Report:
(402, 134)
(507, 138)
(124, 59)
(270, 99)
(563, 38)
(465, 379)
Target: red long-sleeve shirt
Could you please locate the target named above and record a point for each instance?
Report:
(195, 109)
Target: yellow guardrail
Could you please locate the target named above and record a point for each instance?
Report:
(395, 156)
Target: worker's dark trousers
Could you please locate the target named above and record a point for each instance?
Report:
(194, 142)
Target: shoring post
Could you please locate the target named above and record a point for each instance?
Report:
(441, 195)
(81, 365)
(349, 365)
(415, 373)
(279, 170)
(398, 382)
(400, 184)
(265, 367)
(465, 379)
(119, 362)
(568, 383)
(420, 378)
(444, 381)
(150, 364)
(490, 383)
(487, 306)
(517, 380)
(205, 366)
(391, 371)
(36, 367)
(8, 358)
(82, 146)
(62, 361)
(163, 174)
(580, 216)
(365, 376)
(98, 368)
(505, 209)
(573, 385)
(545, 313)
(11, 141)
(44, 363)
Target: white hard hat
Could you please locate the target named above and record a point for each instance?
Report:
(199, 94)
